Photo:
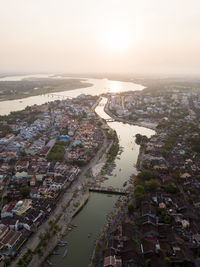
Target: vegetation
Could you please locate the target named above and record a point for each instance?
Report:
(5, 129)
(25, 191)
(138, 194)
(171, 188)
(163, 217)
(112, 135)
(26, 88)
(130, 209)
(143, 176)
(57, 153)
(152, 185)
(141, 139)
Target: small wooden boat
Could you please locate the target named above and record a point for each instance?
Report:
(73, 225)
(65, 252)
(125, 184)
(50, 263)
(62, 242)
(61, 245)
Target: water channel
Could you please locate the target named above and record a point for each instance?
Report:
(91, 218)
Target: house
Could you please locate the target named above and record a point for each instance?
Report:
(32, 181)
(7, 210)
(111, 260)
(64, 138)
(10, 239)
(3, 230)
(22, 206)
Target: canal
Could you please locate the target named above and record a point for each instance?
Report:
(90, 220)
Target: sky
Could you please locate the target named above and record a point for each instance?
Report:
(119, 36)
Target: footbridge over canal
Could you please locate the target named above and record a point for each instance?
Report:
(109, 190)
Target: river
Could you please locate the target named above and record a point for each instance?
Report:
(91, 218)
(99, 86)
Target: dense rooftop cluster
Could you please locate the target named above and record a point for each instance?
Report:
(161, 225)
(42, 151)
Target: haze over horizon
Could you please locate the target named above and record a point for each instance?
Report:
(147, 36)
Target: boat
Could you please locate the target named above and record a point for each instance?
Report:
(65, 252)
(61, 245)
(50, 263)
(125, 183)
(73, 225)
(62, 242)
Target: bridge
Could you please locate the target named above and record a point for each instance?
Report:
(57, 96)
(110, 120)
(109, 190)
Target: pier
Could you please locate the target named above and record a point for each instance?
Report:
(109, 190)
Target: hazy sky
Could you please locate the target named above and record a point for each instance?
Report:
(100, 36)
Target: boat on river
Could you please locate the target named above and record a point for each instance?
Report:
(61, 245)
(125, 183)
(73, 225)
(49, 262)
(62, 242)
(65, 252)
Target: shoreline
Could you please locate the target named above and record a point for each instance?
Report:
(140, 124)
(20, 98)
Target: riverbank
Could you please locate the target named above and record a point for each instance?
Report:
(82, 197)
(141, 124)
(36, 87)
(92, 218)
(68, 204)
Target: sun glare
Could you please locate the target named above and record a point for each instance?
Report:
(118, 38)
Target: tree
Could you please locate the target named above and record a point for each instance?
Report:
(130, 209)
(152, 185)
(141, 139)
(138, 198)
(25, 191)
(138, 189)
(170, 188)
(167, 260)
(145, 175)
(148, 263)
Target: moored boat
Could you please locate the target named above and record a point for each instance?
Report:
(49, 262)
(65, 252)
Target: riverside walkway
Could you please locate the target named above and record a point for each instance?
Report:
(109, 190)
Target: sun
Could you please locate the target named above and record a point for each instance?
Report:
(118, 38)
